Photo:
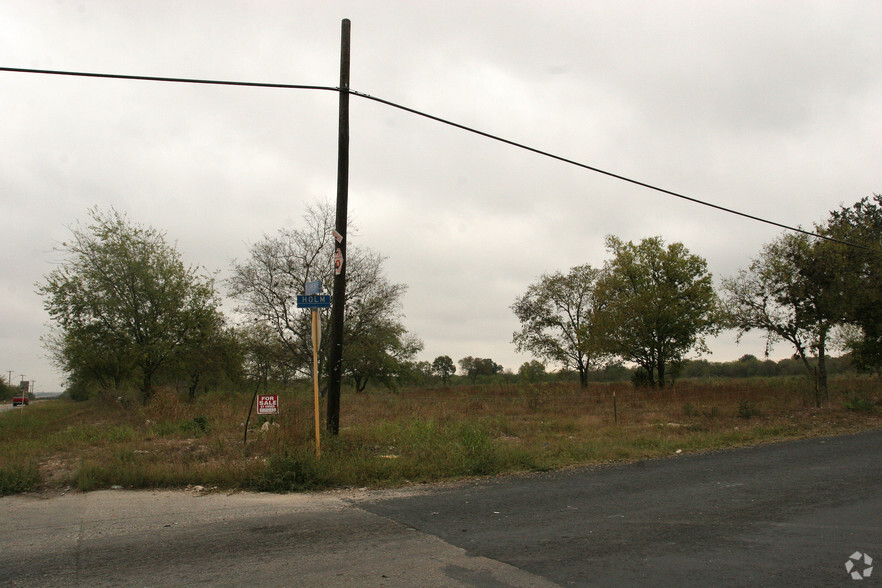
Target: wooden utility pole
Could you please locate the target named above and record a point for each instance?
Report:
(336, 351)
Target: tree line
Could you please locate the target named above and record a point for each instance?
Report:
(653, 303)
(127, 312)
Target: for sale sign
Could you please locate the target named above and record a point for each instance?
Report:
(268, 404)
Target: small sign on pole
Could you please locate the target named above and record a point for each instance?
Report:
(268, 404)
(314, 301)
(338, 262)
(314, 287)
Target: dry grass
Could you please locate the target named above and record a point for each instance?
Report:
(418, 435)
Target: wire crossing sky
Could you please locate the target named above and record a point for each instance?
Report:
(434, 118)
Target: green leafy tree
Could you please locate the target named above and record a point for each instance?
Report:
(443, 367)
(123, 302)
(6, 391)
(532, 371)
(479, 366)
(559, 320)
(792, 292)
(860, 269)
(658, 304)
(212, 354)
(417, 372)
(385, 356)
(266, 358)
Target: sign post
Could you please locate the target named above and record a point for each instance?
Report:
(24, 390)
(314, 300)
(316, 341)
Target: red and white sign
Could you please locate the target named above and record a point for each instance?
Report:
(268, 404)
(338, 262)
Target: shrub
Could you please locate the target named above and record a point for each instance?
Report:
(858, 403)
(16, 478)
(746, 409)
(640, 378)
(290, 472)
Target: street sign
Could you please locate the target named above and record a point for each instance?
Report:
(314, 301)
(268, 404)
(313, 288)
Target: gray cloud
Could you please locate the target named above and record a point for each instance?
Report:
(770, 108)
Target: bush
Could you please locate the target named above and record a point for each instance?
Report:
(291, 472)
(78, 392)
(201, 424)
(16, 478)
(712, 413)
(746, 409)
(640, 378)
(858, 403)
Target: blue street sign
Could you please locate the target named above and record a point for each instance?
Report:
(316, 301)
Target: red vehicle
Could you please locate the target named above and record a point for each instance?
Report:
(20, 400)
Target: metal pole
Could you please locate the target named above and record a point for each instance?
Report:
(336, 352)
(316, 340)
(22, 395)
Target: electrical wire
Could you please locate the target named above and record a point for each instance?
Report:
(440, 120)
(83, 74)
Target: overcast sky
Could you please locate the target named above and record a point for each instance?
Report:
(773, 108)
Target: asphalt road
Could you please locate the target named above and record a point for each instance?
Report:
(789, 514)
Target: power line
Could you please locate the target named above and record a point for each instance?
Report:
(440, 120)
(601, 171)
(83, 74)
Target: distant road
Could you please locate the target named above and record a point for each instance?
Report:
(790, 514)
(9, 406)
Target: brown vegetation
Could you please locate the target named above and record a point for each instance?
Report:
(416, 435)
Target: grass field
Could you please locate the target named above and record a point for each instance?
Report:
(415, 435)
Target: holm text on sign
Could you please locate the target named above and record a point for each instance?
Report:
(316, 301)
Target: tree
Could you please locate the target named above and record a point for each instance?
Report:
(658, 304)
(278, 267)
(418, 372)
(443, 367)
(384, 356)
(532, 371)
(212, 353)
(791, 291)
(6, 391)
(478, 366)
(860, 269)
(123, 302)
(266, 358)
(558, 316)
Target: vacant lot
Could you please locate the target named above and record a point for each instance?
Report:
(414, 435)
